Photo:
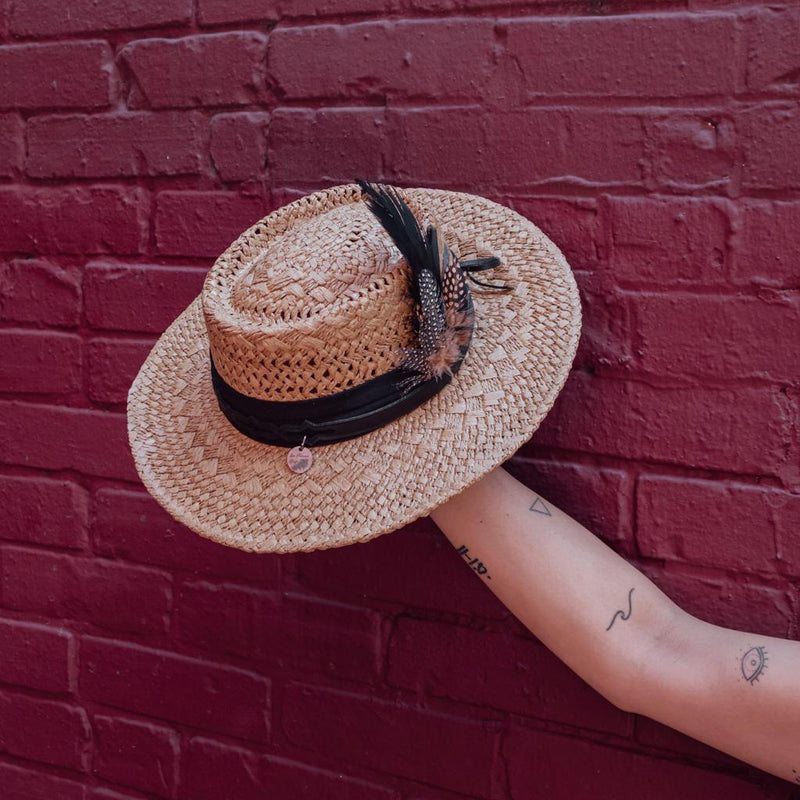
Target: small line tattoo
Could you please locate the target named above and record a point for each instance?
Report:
(477, 565)
(540, 507)
(621, 613)
(753, 664)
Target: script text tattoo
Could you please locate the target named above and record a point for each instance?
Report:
(476, 564)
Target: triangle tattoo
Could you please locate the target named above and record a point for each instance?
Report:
(540, 508)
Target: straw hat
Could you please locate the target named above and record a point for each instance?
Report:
(344, 372)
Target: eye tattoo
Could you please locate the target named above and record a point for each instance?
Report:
(539, 507)
(621, 613)
(477, 566)
(754, 662)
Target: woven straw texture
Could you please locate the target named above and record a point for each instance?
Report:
(311, 300)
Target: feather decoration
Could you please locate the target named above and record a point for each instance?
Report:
(445, 319)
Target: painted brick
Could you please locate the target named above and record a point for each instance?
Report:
(653, 734)
(58, 75)
(654, 146)
(132, 526)
(12, 144)
(213, 770)
(422, 59)
(329, 145)
(572, 224)
(222, 69)
(536, 758)
(302, 634)
(197, 693)
(605, 342)
(466, 147)
(393, 738)
(216, 618)
(95, 793)
(767, 250)
(286, 632)
(728, 525)
(667, 240)
(741, 603)
(43, 511)
(37, 291)
(21, 783)
(417, 567)
(138, 298)
(136, 754)
(742, 429)
(645, 56)
(420, 792)
(463, 5)
(503, 674)
(701, 5)
(112, 596)
(769, 133)
(239, 145)
(112, 145)
(36, 656)
(77, 219)
(691, 150)
(112, 366)
(596, 497)
(772, 57)
(44, 730)
(214, 12)
(46, 17)
(40, 362)
(204, 223)
(717, 336)
(92, 442)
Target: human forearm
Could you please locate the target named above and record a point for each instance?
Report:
(737, 691)
(593, 609)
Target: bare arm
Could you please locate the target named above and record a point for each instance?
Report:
(736, 691)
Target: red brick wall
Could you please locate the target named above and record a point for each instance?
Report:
(655, 141)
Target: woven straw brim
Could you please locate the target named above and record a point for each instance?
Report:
(239, 492)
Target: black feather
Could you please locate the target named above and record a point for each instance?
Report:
(400, 223)
(437, 285)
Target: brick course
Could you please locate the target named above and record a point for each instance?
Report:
(135, 753)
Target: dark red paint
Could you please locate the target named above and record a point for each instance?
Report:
(655, 142)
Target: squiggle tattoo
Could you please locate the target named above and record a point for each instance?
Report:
(621, 613)
(754, 662)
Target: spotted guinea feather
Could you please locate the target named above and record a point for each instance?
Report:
(443, 315)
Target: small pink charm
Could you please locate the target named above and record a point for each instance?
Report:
(299, 458)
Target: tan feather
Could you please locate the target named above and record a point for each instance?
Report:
(460, 321)
(446, 354)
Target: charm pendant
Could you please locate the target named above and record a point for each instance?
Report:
(299, 458)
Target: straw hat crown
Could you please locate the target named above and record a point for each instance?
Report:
(313, 303)
(317, 310)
